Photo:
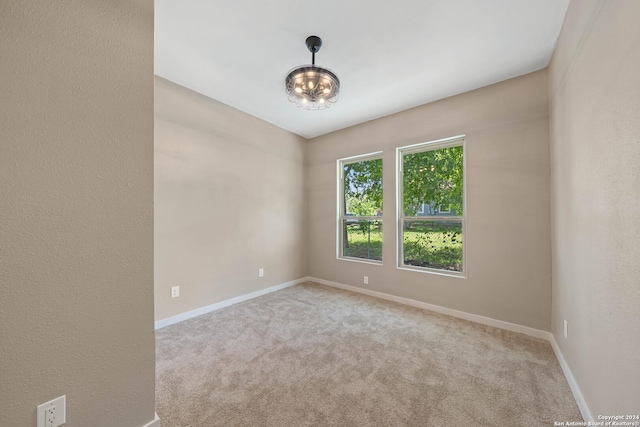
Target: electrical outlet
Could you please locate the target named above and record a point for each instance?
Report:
(366, 280)
(53, 413)
(175, 291)
(261, 272)
(51, 416)
(566, 329)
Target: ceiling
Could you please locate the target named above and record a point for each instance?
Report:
(389, 55)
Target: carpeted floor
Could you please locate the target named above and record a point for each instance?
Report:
(311, 355)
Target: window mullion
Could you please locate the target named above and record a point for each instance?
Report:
(432, 218)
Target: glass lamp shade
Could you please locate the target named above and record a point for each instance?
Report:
(312, 88)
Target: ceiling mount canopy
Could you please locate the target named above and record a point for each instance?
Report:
(311, 87)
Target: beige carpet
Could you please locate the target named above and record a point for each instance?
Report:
(311, 355)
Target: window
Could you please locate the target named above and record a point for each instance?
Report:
(445, 209)
(360, 208)
(431, 174)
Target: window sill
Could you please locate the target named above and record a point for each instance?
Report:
(457, 275)
(360, 260)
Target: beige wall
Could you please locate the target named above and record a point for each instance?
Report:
(594, 88)
(76, 212)
(507, 175)
(229, 200)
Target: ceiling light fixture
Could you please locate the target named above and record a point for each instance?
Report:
(311, 87)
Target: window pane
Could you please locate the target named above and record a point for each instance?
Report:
(362, 239)
(363, 188)
(432, 182)
(433, 244)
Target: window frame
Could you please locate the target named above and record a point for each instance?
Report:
(341, 216)
(449, 207)
(454, 141)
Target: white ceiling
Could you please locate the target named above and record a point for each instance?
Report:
(389, 55)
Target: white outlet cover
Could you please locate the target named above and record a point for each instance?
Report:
(175, 291)
(261, 272)
(566, 329)
(366, 280)
(59, 406)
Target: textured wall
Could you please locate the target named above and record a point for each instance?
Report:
(507, 176)
(594, 86)
(76, 212)
(228, 200)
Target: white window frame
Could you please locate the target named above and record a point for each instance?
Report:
(449, 207)
(377, 155)
(454, 141)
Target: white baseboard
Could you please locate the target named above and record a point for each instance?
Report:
(222, 304)
(154, 423)
(439, 309)
(573, 385)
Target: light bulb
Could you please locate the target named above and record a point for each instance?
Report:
(326, 90)
(298, 89)
(310, 85)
